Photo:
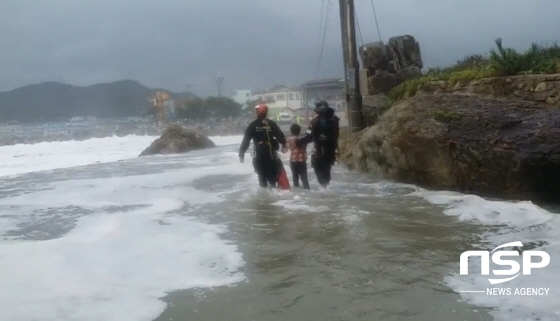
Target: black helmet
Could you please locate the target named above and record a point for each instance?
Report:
(321, 106)
(319, 109)
(322, 103)
(329, 112)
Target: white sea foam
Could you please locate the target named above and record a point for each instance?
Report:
(475, 208)
(117, 266)
(507, 222)
(114, 267)
(93, 194)
(117, 262)
(295, 206)
(25, 158)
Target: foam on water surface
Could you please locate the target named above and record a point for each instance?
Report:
(535, 227)
(26, 158)
(134, 242)
(296, 206)
(118, 264)
(114, 267)
(475, 208)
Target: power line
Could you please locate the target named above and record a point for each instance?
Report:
(321, 22)
(359, 29)
(360, 33)
(323, 3)
(324, 36)
(376, 23)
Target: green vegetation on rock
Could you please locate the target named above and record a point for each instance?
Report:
(445, 115)
(537, 59)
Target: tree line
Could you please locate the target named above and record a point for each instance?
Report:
(210, 107)
(57, 101)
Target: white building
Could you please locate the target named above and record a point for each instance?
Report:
(279, 98)
(241, 96)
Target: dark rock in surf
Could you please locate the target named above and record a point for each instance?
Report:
(176, 139)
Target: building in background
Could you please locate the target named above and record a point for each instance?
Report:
(285, 115)
(331, 90)
(170, 109)
(241, 96)
(279, 98)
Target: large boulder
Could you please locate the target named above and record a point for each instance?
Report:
(404, 52)
(496, 147)
(391, 64)
(372, 108)
(176, 139)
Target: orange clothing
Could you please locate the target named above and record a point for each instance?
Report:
(297, 154)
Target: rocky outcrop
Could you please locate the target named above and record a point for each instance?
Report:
(491, 146)
(176, 139)
(538, 88)
(372, 108)
(390, 65)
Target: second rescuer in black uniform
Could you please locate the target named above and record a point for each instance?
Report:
(266, 135)
(323, 131)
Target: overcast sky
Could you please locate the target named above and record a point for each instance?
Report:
(253, 44)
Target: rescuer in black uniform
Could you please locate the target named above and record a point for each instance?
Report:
(267, 138)
(323, 131)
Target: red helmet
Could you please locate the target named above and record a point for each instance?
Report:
(261, 110)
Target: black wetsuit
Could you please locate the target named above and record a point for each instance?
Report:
(323, 130)
(275, 146)
(266, 137)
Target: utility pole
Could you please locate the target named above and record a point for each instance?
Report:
(344, 34)
(352, 75)
(220, 80)
(304, 102)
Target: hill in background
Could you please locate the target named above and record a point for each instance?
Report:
(54, 100)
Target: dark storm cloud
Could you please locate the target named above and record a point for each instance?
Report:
(251, 43)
